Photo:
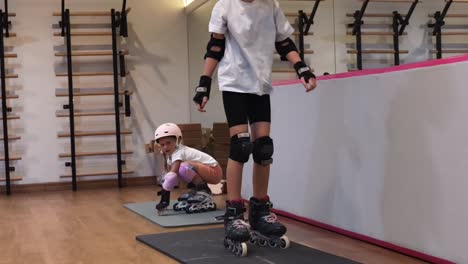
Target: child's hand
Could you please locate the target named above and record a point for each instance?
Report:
(306, 76)
(201, 107)
(309, 86)
(202, 93)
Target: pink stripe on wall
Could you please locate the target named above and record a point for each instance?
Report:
(404, 67)
(364, 238)
(370, 240)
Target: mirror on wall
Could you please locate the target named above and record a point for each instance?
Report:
(331, 45)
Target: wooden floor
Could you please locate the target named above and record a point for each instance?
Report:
(92, 226)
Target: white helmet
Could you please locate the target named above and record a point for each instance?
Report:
(167, 130)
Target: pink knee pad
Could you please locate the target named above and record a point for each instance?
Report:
(170, 181)
(186, 172)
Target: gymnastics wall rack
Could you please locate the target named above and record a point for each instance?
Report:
(399, 23)
(5, 53)
(118, 23)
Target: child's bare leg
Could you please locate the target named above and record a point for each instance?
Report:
(203, 173)
(198, 199)
(234, 168)
(197, 180)
(261, 173)
(264, 227)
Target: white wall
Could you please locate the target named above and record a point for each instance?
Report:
(380, 155)
(159, 78)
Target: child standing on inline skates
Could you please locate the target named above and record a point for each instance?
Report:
(244, 36)
(189, 165)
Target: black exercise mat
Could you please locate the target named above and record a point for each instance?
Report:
(206, 247)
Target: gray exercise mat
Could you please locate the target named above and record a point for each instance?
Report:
(172, 218)
(206, 247)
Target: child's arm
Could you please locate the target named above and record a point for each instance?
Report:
(288, 50)
(175, 166)
(214, 53)
(304, 72)
(171, 177)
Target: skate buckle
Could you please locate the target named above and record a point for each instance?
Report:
(220, 217)
(269, 204)
(235, 211)
(266, 206)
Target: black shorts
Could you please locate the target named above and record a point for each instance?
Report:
(245, 108)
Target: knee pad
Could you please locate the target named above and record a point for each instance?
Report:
(186, 172)
(241, 148)
(170, 181)
(263, 150)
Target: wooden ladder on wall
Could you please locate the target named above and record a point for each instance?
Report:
(397, 26)
(439, 24)
(118, 24)
(6, 52)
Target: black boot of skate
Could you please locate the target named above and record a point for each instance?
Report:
(200, 202)
(265, 228)
(203, 187)
(164, 202)
(182, 203)
(200, 187)
(236, 229)
(183, 200)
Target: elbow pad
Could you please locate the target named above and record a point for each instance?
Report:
(215, 48)
(284, 47)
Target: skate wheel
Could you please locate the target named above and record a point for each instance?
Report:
(284, 242)
(273, 243)
(252, 241)
(228, 244)
(187, 210)
(262, 242)
(241, 249)
(161, 212)
(175, 207)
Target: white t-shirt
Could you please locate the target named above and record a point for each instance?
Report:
(184, 153)
(251, 30)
